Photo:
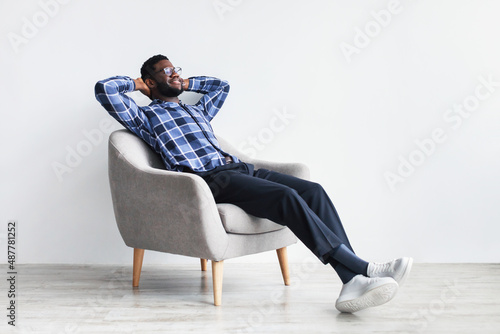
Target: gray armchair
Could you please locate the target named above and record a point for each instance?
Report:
(176, 213)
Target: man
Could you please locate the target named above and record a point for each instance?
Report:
(184, 138)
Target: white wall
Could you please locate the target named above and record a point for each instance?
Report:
(353, 116)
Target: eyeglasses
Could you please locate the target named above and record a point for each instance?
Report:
(170, 70)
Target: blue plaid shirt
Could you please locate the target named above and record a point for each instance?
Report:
(179, 132)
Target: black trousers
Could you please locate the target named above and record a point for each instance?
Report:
(302, 206)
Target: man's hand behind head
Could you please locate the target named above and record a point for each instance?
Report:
(141, 86)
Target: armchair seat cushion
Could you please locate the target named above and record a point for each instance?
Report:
(237, 221)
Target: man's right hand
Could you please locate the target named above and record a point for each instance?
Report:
(141, 86)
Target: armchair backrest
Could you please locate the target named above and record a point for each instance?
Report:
(139, 153)
(135, 150)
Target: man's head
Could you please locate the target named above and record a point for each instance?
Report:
(155, 76)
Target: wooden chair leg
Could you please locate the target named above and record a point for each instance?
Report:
(283, 260)
(217, 273)
(138, 257)
(203, 264)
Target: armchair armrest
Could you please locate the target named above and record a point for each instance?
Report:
(291, 168)
(295, 169)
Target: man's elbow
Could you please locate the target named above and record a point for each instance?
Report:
(105, 87)
(226, 86)
(99, 88)
(102, 92)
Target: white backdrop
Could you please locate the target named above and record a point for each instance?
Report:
(394, 105)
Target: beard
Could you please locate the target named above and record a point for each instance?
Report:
(166, 90)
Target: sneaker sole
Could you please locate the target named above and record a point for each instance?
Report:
(406, 273)
(375, 297)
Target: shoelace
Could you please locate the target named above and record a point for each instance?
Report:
(383, 267)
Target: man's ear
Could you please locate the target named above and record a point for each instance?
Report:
(150, 83)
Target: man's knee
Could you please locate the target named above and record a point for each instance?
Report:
(314, 188)
(286, 194)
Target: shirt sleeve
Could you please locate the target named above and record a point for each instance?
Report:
(111, 95)
(215, 92)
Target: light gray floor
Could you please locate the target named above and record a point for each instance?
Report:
(437, 298)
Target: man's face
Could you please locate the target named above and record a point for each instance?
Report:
(169, 86)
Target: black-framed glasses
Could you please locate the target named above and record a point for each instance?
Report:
(170, 70)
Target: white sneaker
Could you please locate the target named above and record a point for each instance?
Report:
(398, 269)
(362, 292)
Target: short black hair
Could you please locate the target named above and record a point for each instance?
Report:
(147, 69)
